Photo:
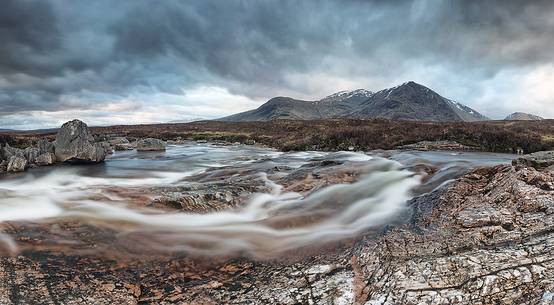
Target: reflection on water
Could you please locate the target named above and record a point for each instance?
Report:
(268, 223)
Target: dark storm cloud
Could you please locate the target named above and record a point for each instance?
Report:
(58, 54)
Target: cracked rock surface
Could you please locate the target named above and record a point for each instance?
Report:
(486, 238)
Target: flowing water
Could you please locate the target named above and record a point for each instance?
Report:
(273, 221)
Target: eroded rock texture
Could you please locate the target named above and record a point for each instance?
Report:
(74, 143)
(486, 238)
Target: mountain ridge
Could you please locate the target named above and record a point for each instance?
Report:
(408, 101)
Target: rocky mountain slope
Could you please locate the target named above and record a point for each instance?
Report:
(521, 116)
(409, 101)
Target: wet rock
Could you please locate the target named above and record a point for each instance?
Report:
(31, 154)
(538, 160)
(74, 143)
(122, 147)
(17, 164)
(46, 159)
(151, 144)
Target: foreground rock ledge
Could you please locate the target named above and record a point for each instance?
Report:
(487, 238)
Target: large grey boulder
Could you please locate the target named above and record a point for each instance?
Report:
(151, 144)
(46, 159)
(538, 160)
(74, 143)
(17, 164)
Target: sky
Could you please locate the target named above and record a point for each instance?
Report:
(144, 61)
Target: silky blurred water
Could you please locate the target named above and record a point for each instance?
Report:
(267, 223)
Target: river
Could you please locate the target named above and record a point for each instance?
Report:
(285, 201)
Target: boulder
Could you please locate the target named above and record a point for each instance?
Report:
(31, 154)
(150, 144)
(46, 159)
(74, 143)
(17, 164)
(539, 160)
(121, 147)
(45, 146)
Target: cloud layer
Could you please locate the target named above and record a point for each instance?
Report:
(143, 61)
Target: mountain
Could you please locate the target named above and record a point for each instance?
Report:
(521, 116)
(409, 101)
(288, 108)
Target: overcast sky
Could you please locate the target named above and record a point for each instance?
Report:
(113, 62)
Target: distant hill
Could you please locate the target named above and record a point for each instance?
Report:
(521, 116)
(409, 101)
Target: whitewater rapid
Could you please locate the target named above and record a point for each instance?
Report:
(267, 224)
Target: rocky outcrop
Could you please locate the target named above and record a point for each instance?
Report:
(17, 164)
(538, 160)
(151, 144)
(9, 152)
(31, 154)
(74, 143)
(485, 239)
(121, 147)
(45, 146)
(46, 159)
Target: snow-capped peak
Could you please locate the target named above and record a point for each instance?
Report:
(342, 95)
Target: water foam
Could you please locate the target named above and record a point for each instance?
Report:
(268, 224)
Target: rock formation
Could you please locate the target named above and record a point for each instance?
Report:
(74, 143)
(9, 152)
(16, 164)
(538, 160)
(46, 159)
(31, 154)
(45, 146)
(150, 144)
